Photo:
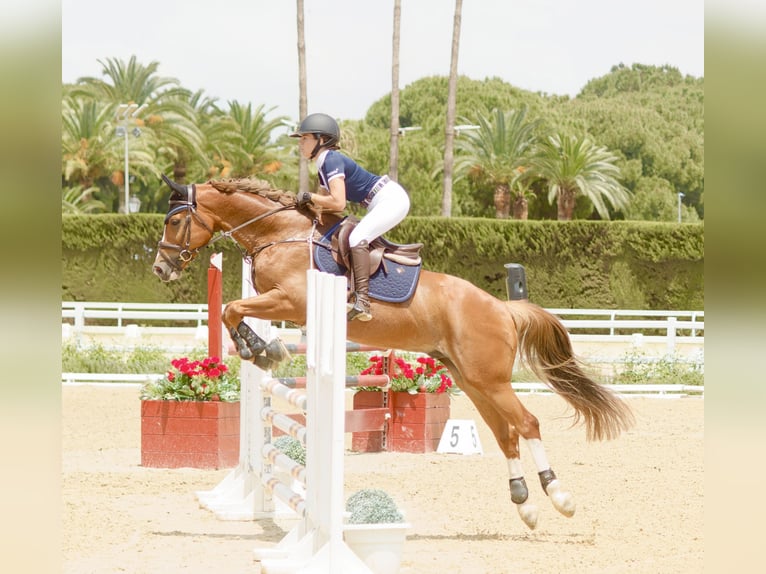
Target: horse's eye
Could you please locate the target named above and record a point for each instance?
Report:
(175, 221)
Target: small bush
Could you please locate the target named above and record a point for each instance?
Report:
(292, 447)
(638, 369)
(372, 506)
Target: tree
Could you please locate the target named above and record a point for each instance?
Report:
(303, 166)
(498, 154)
(88, 150)
(78, 201)
(393, 163)
(223, 144)
(255, 131)
(574, 166)
(170, 135)
(451, 111)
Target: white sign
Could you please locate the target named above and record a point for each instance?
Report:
(460, 437)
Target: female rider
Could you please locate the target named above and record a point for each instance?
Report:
(342, 180)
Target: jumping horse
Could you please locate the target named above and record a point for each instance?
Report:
(473, 333)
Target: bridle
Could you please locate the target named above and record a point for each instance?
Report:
(185, 253)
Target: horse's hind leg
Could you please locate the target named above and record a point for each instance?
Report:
(508, 440)
(561, 499)
(509, 419)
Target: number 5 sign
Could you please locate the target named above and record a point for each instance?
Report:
(460, 437)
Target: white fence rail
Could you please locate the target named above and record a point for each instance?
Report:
(90, 318)
(601, 336)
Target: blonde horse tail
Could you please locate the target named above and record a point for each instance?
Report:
(545, 347)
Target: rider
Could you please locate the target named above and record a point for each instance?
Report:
(342, 179)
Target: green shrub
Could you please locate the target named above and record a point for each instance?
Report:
(372, 506)
(292, 447)
(637, 368)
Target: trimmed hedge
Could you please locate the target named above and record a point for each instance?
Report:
(574, 264)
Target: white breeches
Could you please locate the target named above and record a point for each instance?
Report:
(386, 210)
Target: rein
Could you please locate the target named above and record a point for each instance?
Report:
(185, 254)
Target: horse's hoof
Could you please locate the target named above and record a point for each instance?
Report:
(276, 351)
(264, 363)
(245, 354)
(528, 513)
(562, 501)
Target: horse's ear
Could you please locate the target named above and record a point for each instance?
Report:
(176, 187)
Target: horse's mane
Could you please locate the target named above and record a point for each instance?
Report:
(264, 189)
(253, 185)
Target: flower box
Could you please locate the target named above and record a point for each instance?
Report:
(416, 424)
(194, 434)
(370, 441)
(417, 421)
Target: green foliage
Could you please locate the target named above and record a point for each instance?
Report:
(292, 447)
(372, 506)
(639, 369)
(651, 118)
(144, 360)
(575, 264)
(296, 366)
(94, 360)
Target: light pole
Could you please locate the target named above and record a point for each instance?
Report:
(680, 195)
(125, 113)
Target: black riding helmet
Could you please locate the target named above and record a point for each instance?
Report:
(322, 125)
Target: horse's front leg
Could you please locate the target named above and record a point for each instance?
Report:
(250, 346)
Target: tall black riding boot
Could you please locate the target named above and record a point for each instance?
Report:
(360, 261)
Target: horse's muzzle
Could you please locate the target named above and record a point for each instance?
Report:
(164, 272)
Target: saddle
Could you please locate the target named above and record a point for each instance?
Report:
(394, 269)
(381, 249)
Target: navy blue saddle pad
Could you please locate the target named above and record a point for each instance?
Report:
(392, 282)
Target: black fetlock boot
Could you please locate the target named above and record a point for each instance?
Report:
(360, 261)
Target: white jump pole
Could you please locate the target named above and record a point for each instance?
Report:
(316, 544)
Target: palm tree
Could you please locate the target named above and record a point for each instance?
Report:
(222, 142)
(393, 163)
(170, 120)
(303, 166)
(451, 111)
(92, 154)
(88, 149)
(255, 131)
(131, 82)
(499, 153)
(574, 166)
(76, 200)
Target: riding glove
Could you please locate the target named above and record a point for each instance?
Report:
(303, 198)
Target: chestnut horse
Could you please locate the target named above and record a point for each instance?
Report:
(475, 334)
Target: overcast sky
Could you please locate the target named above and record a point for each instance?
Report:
(246, 50)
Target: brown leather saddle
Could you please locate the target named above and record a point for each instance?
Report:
(381, 249)
(394, 269)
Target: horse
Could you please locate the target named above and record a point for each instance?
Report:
(474, 334)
